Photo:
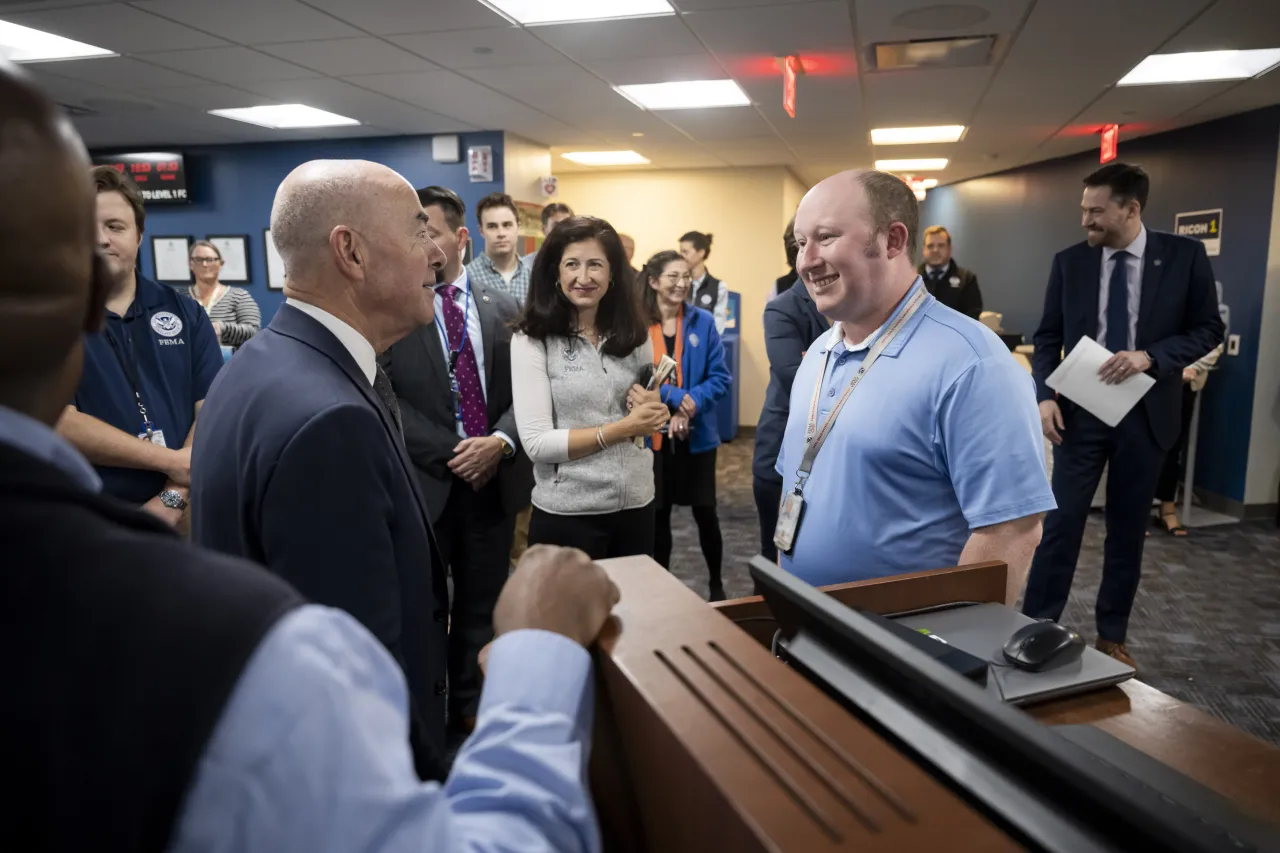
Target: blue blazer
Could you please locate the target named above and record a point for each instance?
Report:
(1178, 319)
(297, 466)
(791, 324)
(706, 377)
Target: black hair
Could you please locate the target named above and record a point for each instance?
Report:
(1127, 183)
(789, 244)
(556, 207)
(493, 200)
(700, 241)
(653, 269)
(549, 313)
(455, 209)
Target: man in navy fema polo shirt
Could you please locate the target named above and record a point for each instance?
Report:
(145, 374)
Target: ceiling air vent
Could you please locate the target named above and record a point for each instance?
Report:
(965, 52)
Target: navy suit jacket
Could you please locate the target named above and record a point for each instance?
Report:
(791, 324)
(1178, 319)
(297, 466)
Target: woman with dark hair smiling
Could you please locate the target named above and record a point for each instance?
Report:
(684, 465)
(580, 359)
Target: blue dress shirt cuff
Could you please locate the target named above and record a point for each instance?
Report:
(539, 671)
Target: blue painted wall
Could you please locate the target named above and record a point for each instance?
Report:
(1007, 227)
(232, 187)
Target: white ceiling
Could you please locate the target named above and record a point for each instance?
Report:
(431, 66)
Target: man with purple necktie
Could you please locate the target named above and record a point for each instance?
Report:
(452, 381)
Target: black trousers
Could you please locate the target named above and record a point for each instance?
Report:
(709, 538)
(626, 533)
(474, 536)
(768, 495)
(1171, 473)
(1135, 460)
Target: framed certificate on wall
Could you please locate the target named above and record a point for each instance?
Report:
(234, 249)
(275, 264)
(171, 256)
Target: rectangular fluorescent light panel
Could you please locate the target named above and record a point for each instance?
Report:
(1201, 66)
(916, 135)
(933, 164)
(532, 12)
(687, 95)
(23, 44)
(285, 116)
(606, 158)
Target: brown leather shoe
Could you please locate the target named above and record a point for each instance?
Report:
(1117, 651)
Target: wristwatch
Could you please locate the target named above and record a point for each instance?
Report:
(173, 499)
(507, 450)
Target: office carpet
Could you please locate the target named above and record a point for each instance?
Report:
(1205, 626)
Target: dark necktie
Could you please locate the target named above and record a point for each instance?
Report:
(382, 387)
(1118, 304)
(475, 418)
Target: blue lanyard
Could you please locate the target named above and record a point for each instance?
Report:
(466, 329)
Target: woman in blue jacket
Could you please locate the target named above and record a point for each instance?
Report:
(684, 462)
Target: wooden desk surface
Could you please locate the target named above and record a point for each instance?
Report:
(1219, 756)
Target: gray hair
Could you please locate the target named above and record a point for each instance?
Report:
(314, 199)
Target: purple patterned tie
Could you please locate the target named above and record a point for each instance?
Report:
(475, 420)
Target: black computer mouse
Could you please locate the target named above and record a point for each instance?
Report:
(1042, 645)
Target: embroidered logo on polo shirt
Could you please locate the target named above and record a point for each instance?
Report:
(166, 324)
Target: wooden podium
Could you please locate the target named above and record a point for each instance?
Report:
(705, 742)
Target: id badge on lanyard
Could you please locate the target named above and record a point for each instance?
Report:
(150, 430)
(791, 512)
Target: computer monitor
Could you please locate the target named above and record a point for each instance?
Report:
(1043, 789)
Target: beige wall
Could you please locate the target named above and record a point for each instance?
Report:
(792, 191)
(524, 164)
(1264, 434)
(740, 208)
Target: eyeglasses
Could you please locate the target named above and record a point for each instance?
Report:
(204, 262)
(676, 278)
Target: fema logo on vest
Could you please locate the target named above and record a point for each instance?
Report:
(168, 326)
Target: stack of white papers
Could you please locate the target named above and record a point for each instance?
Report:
(1077, 379)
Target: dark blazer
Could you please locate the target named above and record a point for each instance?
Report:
(1178, 319)
(420, 376)
(791, 324)
(298, 467)
(963, 295)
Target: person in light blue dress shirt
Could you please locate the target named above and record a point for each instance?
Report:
(936, 459)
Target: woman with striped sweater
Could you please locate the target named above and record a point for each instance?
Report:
(234, 314)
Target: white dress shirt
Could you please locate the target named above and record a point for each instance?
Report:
(1133, 263)
(359, 347)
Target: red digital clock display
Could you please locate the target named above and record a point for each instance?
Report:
(161, 176)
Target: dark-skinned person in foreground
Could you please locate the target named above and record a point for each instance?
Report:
(163, 697)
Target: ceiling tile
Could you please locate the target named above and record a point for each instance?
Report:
(448, 94)
(705, 5)
(561, 78)
(340, 57)
(213, 97)
(662, 69)
(361, 103)
(1250, 95)
(252, 21)
(921, 97)
(116, 27)
(720, 124)
(1137, 105)
(120, 72)
(230, 65)
(875, 20)
(626, 39)
(388, 17)
(1230, 25)
(480, 48)
(770, 31)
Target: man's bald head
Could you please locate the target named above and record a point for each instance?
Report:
(353, 238)
(46, 244)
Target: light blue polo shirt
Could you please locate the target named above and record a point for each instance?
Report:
(942, 436)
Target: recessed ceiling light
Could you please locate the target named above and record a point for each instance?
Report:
(916, 135)
(637, 133)
(687, 95)
(606, 158)
(1201, 66)
(929, 183)
(285, 116)
(927, 164)
(530, 12)
(23, 44)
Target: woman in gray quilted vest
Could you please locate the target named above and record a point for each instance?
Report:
(580, 360)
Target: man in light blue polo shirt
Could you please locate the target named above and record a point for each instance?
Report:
(936, 457)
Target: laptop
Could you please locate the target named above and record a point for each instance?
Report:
(983, 629)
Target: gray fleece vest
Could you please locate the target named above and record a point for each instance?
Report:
(589, 389)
